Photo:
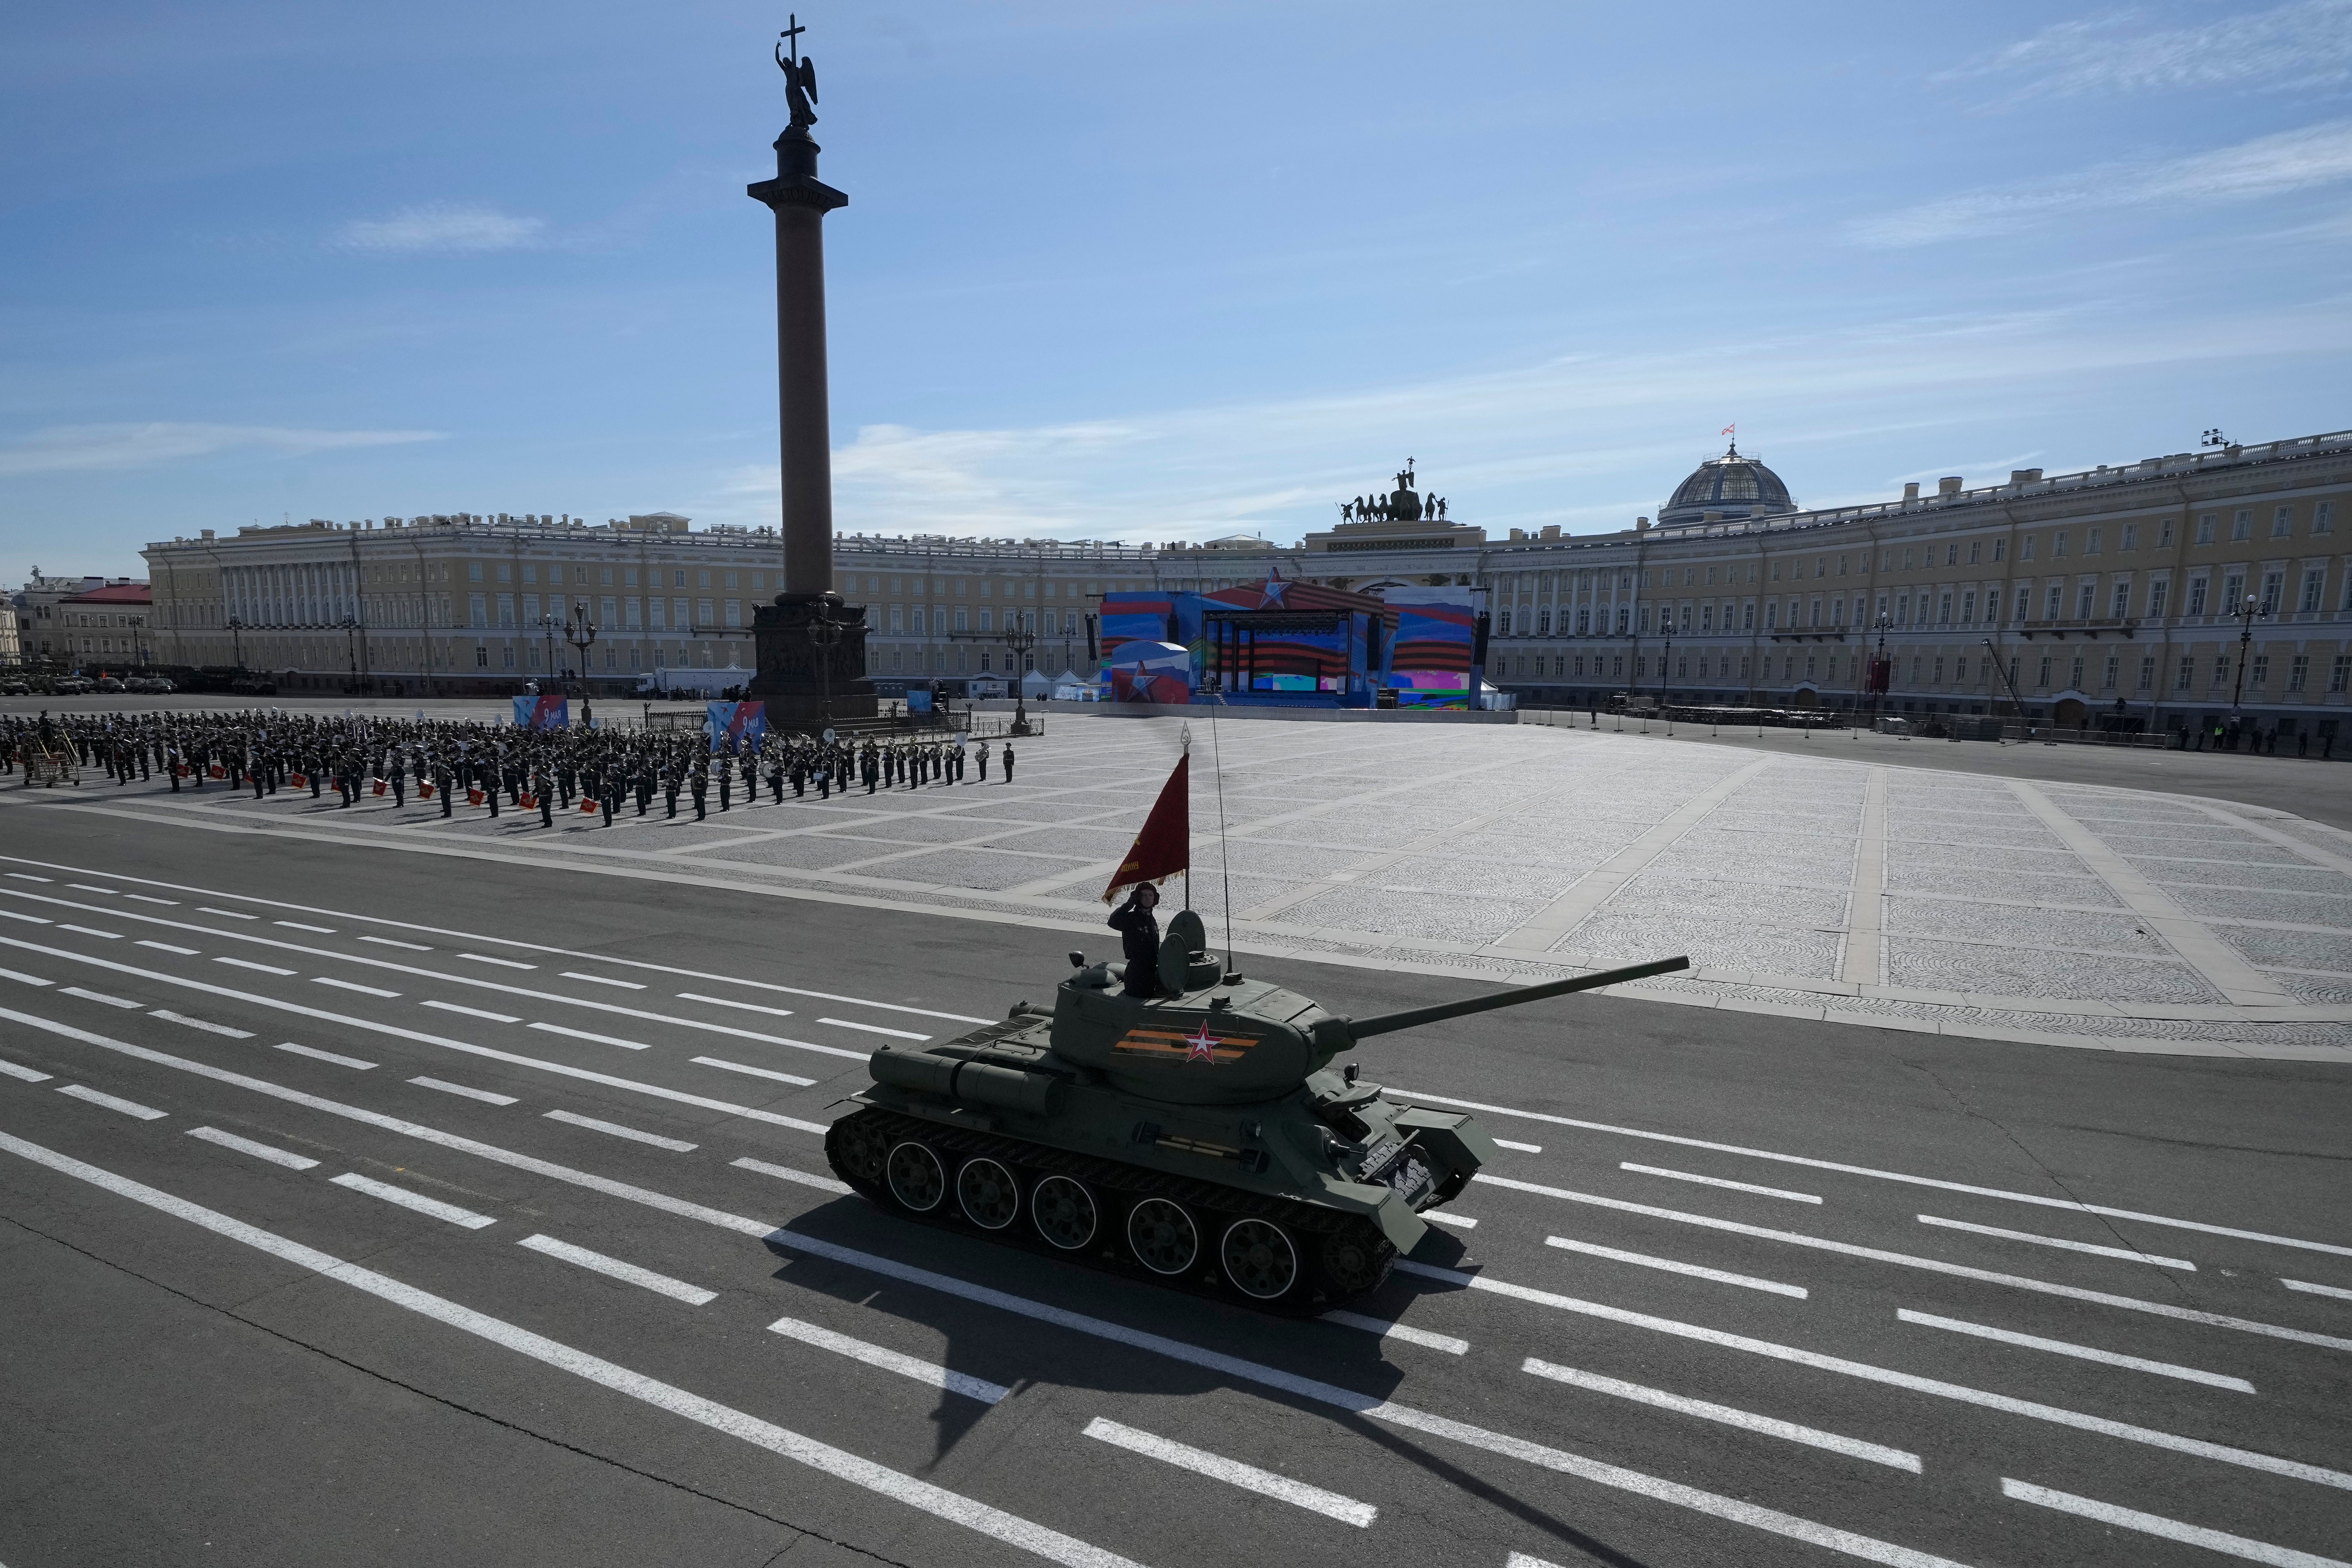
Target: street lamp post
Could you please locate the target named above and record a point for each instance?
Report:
(1666, 628)
(826, 634)
(581, 633)
(1019, 639)
(547, 629)
(1879, 670)
(2245, 614)
(237, 640)
(352, 646)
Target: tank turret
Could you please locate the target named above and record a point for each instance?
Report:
(1198, 1137)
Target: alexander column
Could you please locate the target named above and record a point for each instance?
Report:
(810, 646)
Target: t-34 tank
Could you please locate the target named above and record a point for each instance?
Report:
(1200, 1138)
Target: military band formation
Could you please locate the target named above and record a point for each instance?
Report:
(593, 772)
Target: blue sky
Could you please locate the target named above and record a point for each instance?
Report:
(1145, 272)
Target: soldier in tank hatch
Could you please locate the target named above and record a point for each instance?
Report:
(1139, 934)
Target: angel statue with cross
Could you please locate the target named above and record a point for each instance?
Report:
(799, 75)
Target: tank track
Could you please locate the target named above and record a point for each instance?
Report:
(1342, 1258)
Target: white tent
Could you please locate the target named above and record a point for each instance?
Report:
(1035, 684)
(1071, 687)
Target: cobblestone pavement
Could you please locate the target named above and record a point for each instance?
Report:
(1846, 891)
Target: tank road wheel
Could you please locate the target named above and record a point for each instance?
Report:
(1357, 1259)
(858, 1149)
(1064, 1213)
(1259, 1259)
(1163, 1235)
(916, 1179)
(989, 1197)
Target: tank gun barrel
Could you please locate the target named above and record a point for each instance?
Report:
(1389, 1023)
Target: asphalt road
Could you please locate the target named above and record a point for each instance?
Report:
(214, 1356)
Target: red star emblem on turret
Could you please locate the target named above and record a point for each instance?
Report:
(1203, 1046)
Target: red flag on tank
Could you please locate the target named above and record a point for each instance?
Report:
(1165, 846)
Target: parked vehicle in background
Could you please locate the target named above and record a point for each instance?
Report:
(72, 685)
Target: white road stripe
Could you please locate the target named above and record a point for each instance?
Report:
(635, 1085)
(472, 1012)
(2124, 1253)
(199, 1024)
(2309, 1288)
(350, 985)
(93, 931)
(585, 1035)
(484, 1095)
(552, 952)
(1014, 1530)
(1674, 1493)
(17, 1069)
(1771, 1426)
(755, 1072)
(1721, 1276)
(1522, 1148)
(86, 888)
(1959, 1393)
(298, 925)
(28, 877)
(152, 898)
(442, 977)
(324, 1056)
(409, 1200)
(387, 942)
(24, 979)
(1875, 1174)
(1232, 1472)
(167, 947)
(613, 1268)
(1458, 1221)
(97, 996)
(603, 980)
(112, 1102)
(233, 914)
(2171, 1530)
(617, 1131)
(1389, 1330)
(744, 1006)
(923, 1372)
(247, 1146)
(28, 920)
(2081, 1353)
(874, 1029)
(1718, 1182)
(1521, 1559)
(786, 1172)
(210, 1029)
(248, 963)
(501, 962)
(1933, 1265)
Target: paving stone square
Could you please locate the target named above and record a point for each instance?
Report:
(1480, 850)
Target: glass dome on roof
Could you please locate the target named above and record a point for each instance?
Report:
(1735, 486)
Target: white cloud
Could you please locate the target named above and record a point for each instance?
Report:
(2304, 42)
(443, 226)
(67, 447)
(1575, 440)
(2268, 165)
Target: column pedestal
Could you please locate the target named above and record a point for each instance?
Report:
(797, 674)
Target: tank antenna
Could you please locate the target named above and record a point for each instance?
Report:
(1225, 855)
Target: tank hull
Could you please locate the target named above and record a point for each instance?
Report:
(1293, 1205)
